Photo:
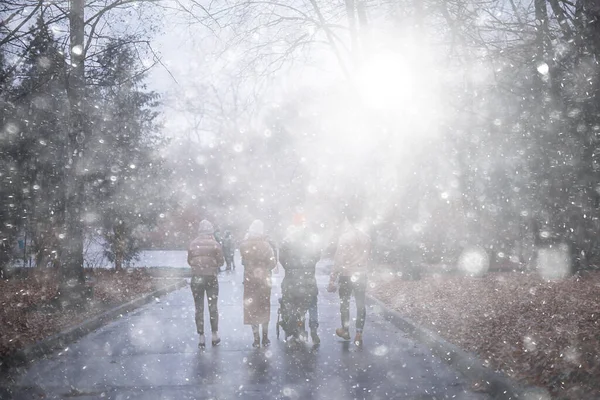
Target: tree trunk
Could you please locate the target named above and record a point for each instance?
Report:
(119, 260)
(119, 244)
(4, 258)
(352, 26)
(72, 273)
(363, 29)
(40, 258)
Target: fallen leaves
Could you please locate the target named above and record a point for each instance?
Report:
(544, 333)
(27, 313)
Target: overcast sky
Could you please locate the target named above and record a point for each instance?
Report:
(195, 59)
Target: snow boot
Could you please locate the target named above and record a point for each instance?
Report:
(265, 341)
(358, 340)
(315, 337)
(256, 343)
(343, 333)
(215, 338)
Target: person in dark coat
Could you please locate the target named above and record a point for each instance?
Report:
(298, 255)
(205, 257)
(228, 251)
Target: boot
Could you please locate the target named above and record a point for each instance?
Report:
(343, 333)
(265, 335)
(201, 341)
(358, 340)
(315, 338)
(256, 343)
(304, 336)
(215, 338)
(265, 341)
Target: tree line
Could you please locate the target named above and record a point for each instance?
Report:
(494, 143)
(75, 165)
(489, 139)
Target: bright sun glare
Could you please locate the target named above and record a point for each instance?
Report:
(386, 82)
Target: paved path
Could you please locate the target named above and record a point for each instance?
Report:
(152, 354)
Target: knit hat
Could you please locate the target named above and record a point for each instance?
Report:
(205, 228)
(257, 228)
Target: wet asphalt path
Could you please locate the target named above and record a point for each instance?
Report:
(152, 353)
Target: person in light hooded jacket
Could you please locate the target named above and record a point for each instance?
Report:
(351, 267)
(258, 260)
(205, 257)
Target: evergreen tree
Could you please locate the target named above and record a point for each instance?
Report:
(131, 189)
(10, 180)
(42, 96)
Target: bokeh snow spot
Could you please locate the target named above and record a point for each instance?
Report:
(474, 261)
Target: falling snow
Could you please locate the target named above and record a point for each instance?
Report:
(442, 156)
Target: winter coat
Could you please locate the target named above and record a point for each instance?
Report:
(228, 247)
(298, 256)
(205, 256)
(352, 254)
(258, 260)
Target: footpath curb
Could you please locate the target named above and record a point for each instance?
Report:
(49, 345)
(497, 385)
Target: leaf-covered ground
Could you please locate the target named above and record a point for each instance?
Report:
(27, 313)
(543, 333)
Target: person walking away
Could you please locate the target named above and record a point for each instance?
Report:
(273, 245)
(228, 251)
(258, 260)
(299, 254)
(351, 266)
(205, 258)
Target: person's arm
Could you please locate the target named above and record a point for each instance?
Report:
(338, 261)
(270, 255)
(219, 256)
(190, 254)
(283, 254)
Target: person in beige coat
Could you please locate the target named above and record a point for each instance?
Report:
(258, 260)
(205, 257)
(351, 266)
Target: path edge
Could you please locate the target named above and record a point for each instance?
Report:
(49, 345)
(498, 385)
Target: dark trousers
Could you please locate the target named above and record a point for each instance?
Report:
(210, 286)
(297, 317)
(358, 289)
(313, 314)
(229, 262)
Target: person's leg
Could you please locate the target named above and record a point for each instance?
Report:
(198, 289)
(303, 334)
(293, 318)
(313, 320)
(360, 288)
(265, 335)
(345, 293)
(212, 292)
(256, 335)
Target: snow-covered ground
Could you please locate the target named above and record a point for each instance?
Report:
(162, 258)
(94, 258)
(147, 258)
